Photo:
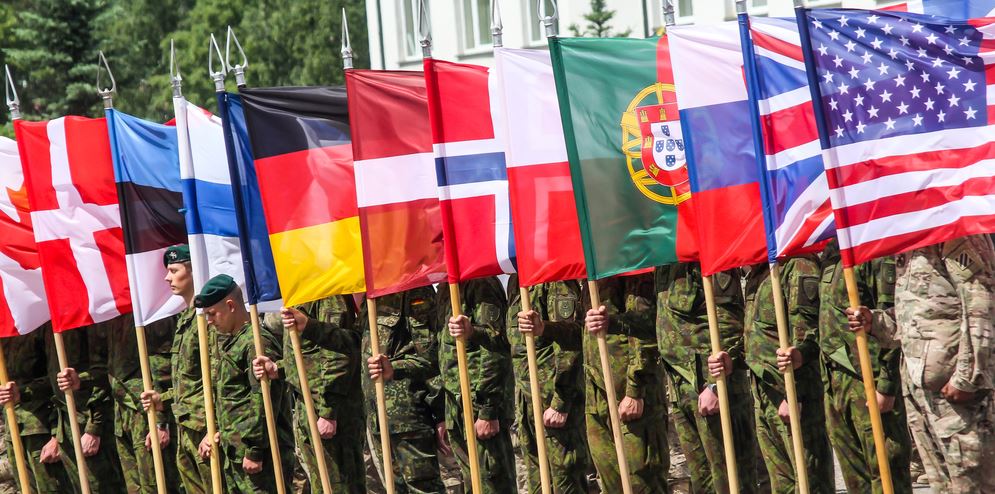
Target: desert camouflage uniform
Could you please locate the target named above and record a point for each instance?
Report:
(945, 307)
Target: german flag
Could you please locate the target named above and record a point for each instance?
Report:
(303, 156)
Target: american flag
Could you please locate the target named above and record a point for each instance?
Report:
(907, 103)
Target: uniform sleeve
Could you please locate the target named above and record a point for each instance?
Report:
(803, 304)
(638, 322)
(975, 289)
(490, 308)
(423, 364)
(730, 309)
(252, 425)
(160, 362)
(877, 279)
(95, 378)
(330, 343)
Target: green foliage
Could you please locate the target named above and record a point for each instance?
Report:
(598, 23)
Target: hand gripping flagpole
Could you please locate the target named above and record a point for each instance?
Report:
(203, 340)
(257, 337)
(14, 105)
(722, 387)
(863, 350)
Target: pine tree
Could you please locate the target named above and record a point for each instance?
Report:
(598, 20)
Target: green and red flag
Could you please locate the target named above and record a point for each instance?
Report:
(626, 152)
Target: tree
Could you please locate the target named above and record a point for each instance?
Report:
(598, 20)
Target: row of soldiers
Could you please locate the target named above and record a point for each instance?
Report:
(929, 314)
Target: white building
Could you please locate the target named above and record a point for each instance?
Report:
(461, 28)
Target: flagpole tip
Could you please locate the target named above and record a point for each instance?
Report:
(238, 69)
(218, 76)
(496, 25)
(10, 94)
(424, 29)
(105, 93)
(346, 44)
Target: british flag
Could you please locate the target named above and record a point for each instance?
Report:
(907, 121)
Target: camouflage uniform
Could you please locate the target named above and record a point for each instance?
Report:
(800, 282)
(683, 334)
(637, 373)
(86, 351)
(846, 402)
(404, 325)
(241, 418)
(8, 482)
(489, 365)
(330, 345)
(131, 423)
(36, 413)
(945, 307)
(560, 361)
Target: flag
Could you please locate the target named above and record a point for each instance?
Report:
(212, 231)
(147, 172)
(301, 142)
(955, 9)
(798, 216)
(396, 185)
(69, 178)
(23, 307)
(715, 113)
(626, 152)
(472, 178)
(257, 255)
(906, 117)
(543, 212)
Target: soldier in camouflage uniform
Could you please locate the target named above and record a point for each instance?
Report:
(800, 282)
(945, 308)
(244, 444)
(846, 402)
(86, 352)
(489, 365)
(32, 393)
(626, 317)
(8, 483)
(683, 334)
(555, 319)
(409, 359)
(330, 342)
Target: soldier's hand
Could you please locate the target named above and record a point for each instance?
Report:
(859, 318)
(50, 451)
(90, 444)
(886, 403)
(327, 428)
(708, 402)
(163, 438)
(530, 322)
(784, 411)
(486, 429)
(204, 448)
(630, 409)
(250, 466)
(719, 364)
(68, 379)
(597, 320)
(553, 419)
(293, 318)
(380, 367)
(790, 356)
(954, 395)
(262, 365)
(150, 399)
(10, 393)
(442, 439)
(460, 326)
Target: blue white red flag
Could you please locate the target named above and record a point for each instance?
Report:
(905, 112)
(956, 9)
(470, 166)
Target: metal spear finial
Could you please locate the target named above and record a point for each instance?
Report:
(106, 93)
(669, 19)
(740, 7)
(549, 21)
(496, 25)
(175, 79)
(218, 76)
(238, 69)
(10, 95)
(346, 45)
(424, 29)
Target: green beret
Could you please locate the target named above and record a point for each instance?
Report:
(175, 254)
(214, 291)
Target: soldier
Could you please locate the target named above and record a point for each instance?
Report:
(242, 430)
(409, 359)
(185, 393)
(846, 402)
(555, 322)
(945, 308)
(33, 396)
(800, 279)
(489, 365)
(683, 333)
(330, 342)
(627, 319)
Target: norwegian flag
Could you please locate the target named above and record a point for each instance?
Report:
(69, 178)
(907, 121)
(471, 171)
(798, 213)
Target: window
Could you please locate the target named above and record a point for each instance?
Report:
(409, 23)
(476, 24)
(757, 7)
(535, 29)
(684, 11)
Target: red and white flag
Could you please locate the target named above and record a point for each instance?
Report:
(69, 178)
(23, 306)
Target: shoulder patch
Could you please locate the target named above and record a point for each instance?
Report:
(810, 288)
(487, 314)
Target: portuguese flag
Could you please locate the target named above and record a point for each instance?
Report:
(626, 153)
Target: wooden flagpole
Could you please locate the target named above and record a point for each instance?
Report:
(15, 430)
(616, 424)
(464, 386)
(386, 453)
(537, 407)
(780, 314)
(205, 373)
(264, 383)
(722, 387)
(84, 477)
(312, 416)
(143, 358)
